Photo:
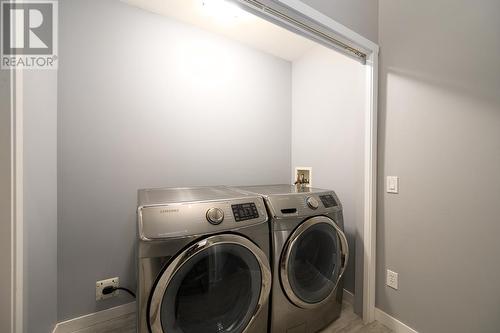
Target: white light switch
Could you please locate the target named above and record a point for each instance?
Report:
(392, 184)
(392, 279)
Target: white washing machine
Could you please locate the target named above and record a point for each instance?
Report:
(203, 261)
(309, 256)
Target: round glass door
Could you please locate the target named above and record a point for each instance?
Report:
(218, 286)
(313, 262)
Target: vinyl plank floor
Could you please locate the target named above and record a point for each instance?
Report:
(123, 324)
(348, 322)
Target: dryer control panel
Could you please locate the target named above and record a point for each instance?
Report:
(198, 218)
(245, 211)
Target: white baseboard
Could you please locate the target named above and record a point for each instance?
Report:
(392, 323)
(86, 321)
(348, 297)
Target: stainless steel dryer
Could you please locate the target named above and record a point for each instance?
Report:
(309, 256)
(203, 261)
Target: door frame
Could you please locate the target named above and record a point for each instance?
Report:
(16, 204)
(6, 202)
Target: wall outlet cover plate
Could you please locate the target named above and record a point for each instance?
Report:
(392, 279)
(392, 184)
(100, 285)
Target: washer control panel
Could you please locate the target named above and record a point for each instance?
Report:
(312, 203)
(301, 205)
(245, 211)
(328, 200)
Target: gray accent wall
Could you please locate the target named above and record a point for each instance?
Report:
(360, 16)
(328, 107)
(40, 200)
(440, 133)
(145, 101)
(5, 202)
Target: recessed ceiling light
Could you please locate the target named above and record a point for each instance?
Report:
(223, 10)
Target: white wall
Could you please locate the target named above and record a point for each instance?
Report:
(146, 102)
(440, 132)
(40, 200)
(328, 103)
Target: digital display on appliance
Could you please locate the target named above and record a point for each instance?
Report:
(245, 211)
(328, 200)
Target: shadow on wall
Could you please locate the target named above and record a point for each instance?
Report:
(477, 90)
(439, 131)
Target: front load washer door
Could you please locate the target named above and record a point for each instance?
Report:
(217, 285)
(312, 262)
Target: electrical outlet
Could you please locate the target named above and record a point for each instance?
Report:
(392, 279)
(100, 285)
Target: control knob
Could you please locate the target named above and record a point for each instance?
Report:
(312, 203)
(215, 215)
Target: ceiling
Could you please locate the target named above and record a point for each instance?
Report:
(221, 17)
